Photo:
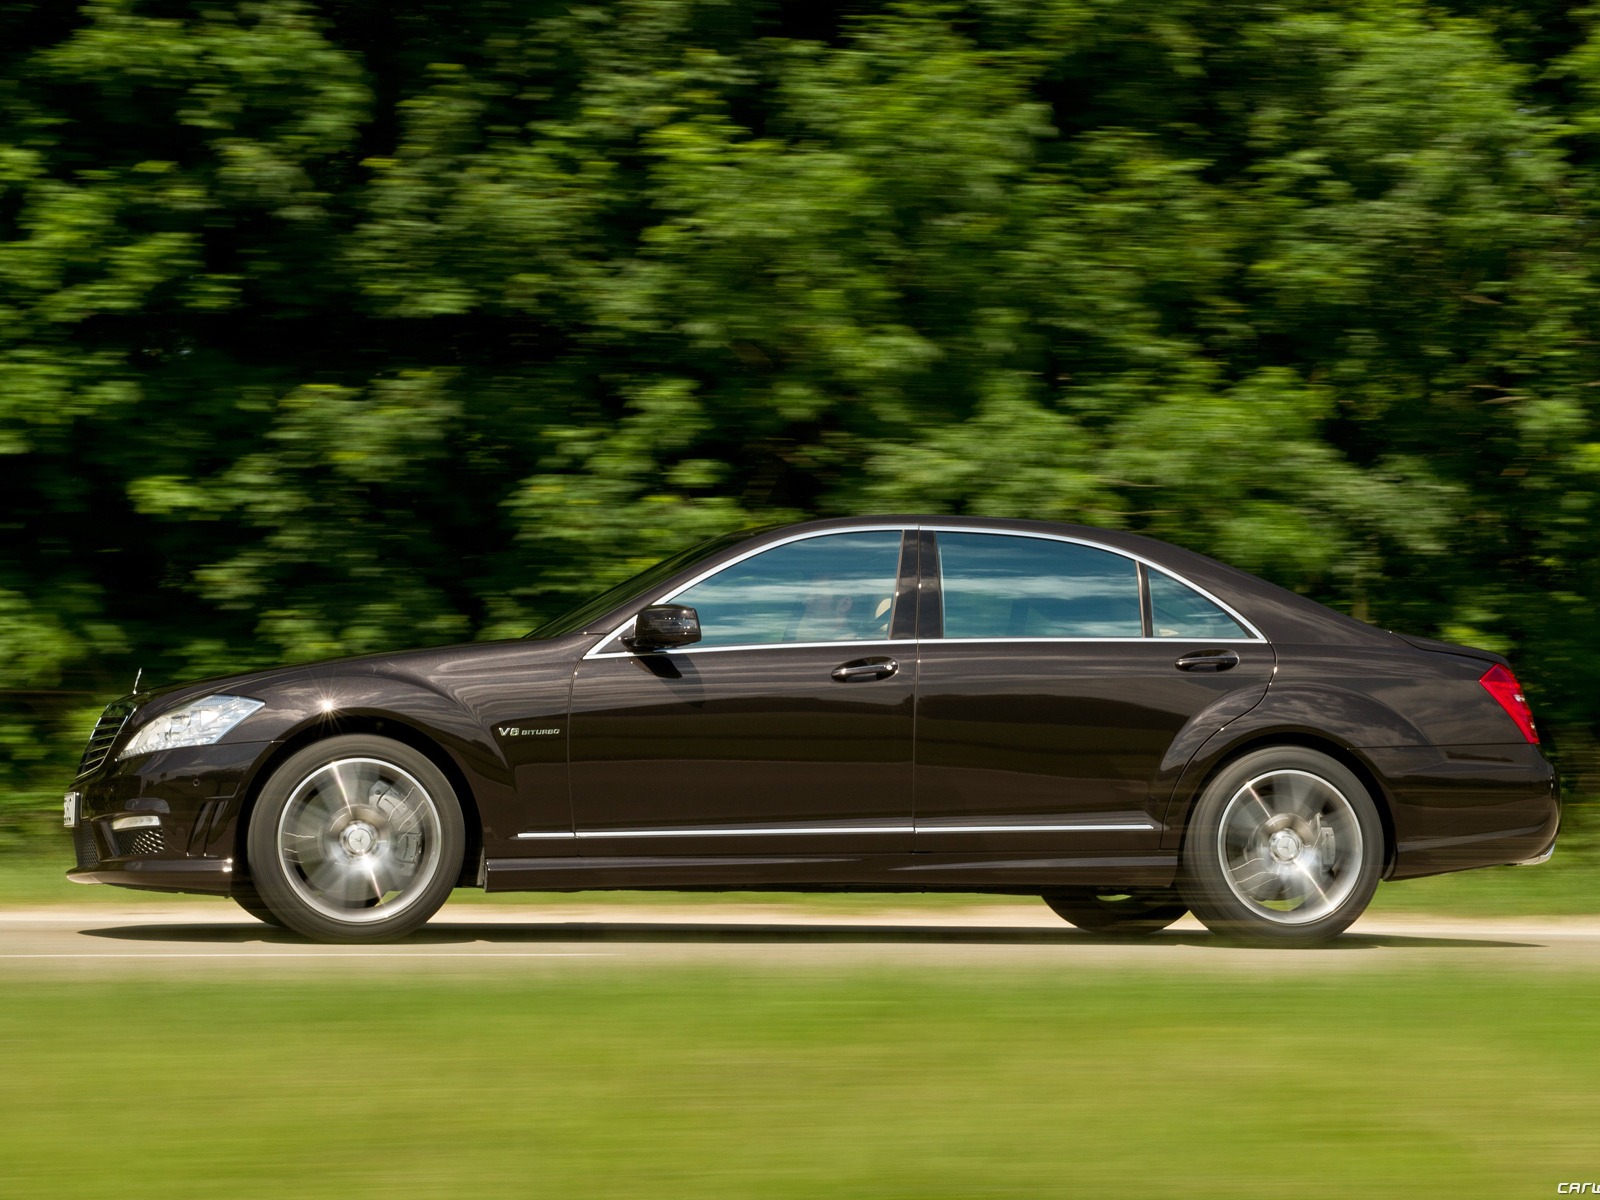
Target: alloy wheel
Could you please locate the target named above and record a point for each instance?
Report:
(359, 840)
(1290, 846)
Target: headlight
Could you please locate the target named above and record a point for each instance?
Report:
(198, 723)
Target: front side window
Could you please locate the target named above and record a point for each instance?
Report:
(1177, 610)
(838, 587)
(1002, 586)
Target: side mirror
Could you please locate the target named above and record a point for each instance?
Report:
(664, 625)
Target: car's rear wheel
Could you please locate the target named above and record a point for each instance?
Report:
(1120, 913)
(356, 839)
(247, 898)
(1284, 849)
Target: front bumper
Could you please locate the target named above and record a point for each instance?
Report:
(195, 794)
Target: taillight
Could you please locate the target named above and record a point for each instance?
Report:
(1503, 686)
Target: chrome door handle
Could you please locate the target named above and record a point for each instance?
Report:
(864, 669)
(1208, 660)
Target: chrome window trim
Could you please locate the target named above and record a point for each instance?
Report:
(751, 646)
(1254, 637)
(974, 641)
(1164, 641)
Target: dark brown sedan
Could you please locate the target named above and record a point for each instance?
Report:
(1125, 727)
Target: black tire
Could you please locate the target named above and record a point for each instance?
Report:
(247, 898)
(356, 839)
(1135, 913)
(1285, 848)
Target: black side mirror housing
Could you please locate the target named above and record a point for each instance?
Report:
(662, 626)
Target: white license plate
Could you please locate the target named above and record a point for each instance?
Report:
(69, 810)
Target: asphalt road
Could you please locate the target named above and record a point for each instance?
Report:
(183, 940)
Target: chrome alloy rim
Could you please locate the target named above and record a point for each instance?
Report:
(359, 839)
(1290, 846)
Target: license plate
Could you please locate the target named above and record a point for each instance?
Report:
(69, 810)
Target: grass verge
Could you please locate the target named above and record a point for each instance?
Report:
(696, 1083)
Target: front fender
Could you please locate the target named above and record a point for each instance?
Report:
(300, 710)
(344, 703)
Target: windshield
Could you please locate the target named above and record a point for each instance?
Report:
(580, 618)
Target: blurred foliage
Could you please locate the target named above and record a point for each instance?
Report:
(333, 327)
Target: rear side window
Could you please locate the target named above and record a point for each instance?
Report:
(835, 588)
(995, 586)
(1178, 611)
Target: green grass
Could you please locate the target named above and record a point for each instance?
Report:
(1569, 884)
(1553, 889)
(686, 1082)
(35, 876)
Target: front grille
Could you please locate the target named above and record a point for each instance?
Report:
(143, 841)
(105, 733)
(83, 845)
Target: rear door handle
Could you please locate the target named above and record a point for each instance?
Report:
(1208, 660)
(862, 670)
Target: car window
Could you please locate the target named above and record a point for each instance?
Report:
(996, 585)
(838, 587)
(1177, 610)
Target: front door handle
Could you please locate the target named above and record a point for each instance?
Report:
(1208, 660)
(863, 670)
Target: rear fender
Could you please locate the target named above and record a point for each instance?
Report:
(1297, 713)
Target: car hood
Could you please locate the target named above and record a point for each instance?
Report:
(154, 701)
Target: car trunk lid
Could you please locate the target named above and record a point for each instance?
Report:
(1438, 647)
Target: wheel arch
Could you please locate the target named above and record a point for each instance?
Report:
(377, 726)
(1269, 740)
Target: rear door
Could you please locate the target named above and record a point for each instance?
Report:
(1055, 677)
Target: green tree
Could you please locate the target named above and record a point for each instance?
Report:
(329, 327)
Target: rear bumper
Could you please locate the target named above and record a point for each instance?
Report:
(188, 802)
(1459, 807)
(1537, 859)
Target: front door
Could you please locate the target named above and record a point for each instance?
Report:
(1054, 690)
(784, 733)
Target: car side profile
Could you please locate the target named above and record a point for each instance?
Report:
(1126, 728)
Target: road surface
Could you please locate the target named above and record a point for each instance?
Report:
(189, 940)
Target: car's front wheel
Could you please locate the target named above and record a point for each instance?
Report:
(356, 839)
(1284, 849)
(1120, 914)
